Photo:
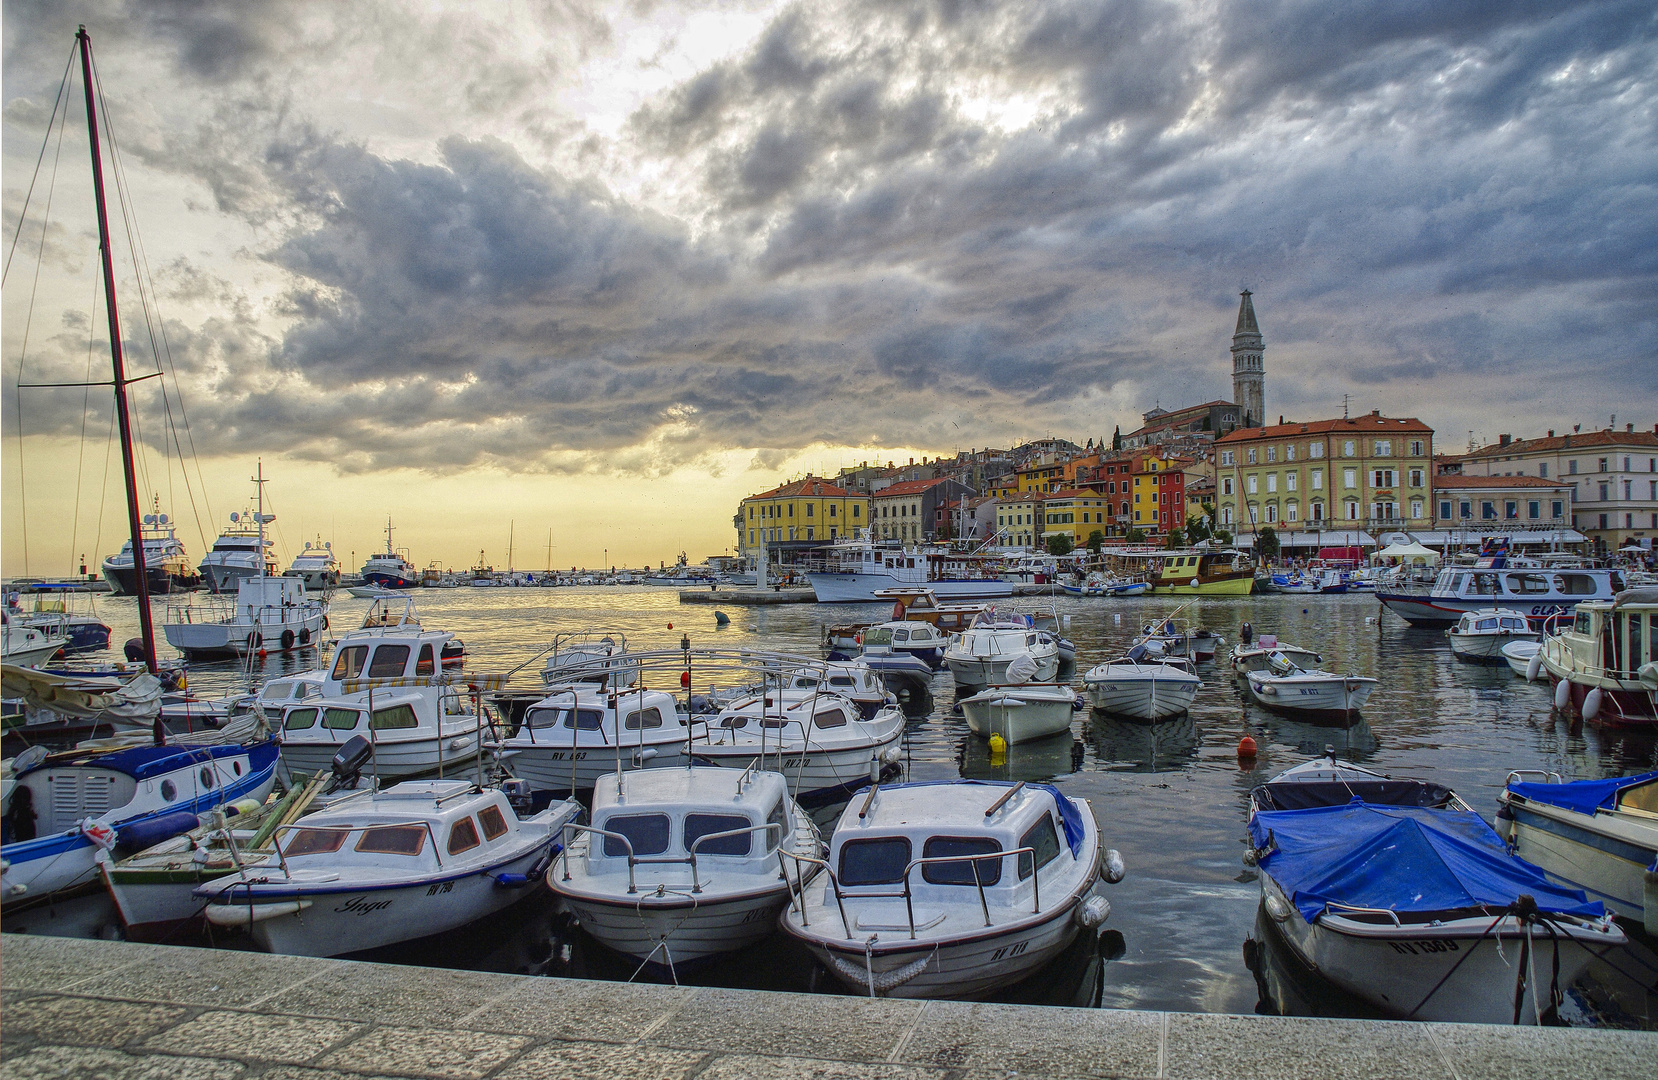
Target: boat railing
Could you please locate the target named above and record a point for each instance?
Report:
(662, 860)
(1334, 907)
(907, 892)
(1549, 776)
(282, 856)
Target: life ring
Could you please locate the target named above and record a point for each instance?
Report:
(287, 640)
(304, 636)
(255, 641)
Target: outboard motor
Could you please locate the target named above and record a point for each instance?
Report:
(134, 650)
(348, 763)
(1246, 634)
(518, 796)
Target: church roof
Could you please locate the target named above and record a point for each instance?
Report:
(1246, 316)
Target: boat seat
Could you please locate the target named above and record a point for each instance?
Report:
(1643, 797)
(1307, 794)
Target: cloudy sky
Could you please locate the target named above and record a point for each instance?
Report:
(602, 269)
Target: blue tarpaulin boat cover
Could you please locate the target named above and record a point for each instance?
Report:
(1403, 858)
(1069, 815)
(1583, 796)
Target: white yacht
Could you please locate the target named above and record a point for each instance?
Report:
(1479, 636)
(680, 865)
(979, 656)
(270, 614)
(1536, 591)
(390, 569)
(167, 566)
(316, 566)
(856, 568)
(241, 551)
(1020, 713)
(952, 888)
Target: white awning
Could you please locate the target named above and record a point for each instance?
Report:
(1328, 538)
(1472, 537)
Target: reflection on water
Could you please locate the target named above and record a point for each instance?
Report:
(1172, 797)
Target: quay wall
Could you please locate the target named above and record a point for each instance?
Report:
(117, 1010)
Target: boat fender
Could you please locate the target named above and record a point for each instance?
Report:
(1114, 870)
(148, 832)
(304, 636)
(1277, 908)
(1533, 667)
(1562, 694)
(233, 914)
(1505, 825)
(1591, 703)
(287, 640)
(325, 622)
(1093, 911)
(1193, 583)
(256, 641)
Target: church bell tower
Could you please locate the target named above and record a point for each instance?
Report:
(1248, 376)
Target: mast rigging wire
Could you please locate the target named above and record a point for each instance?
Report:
(23, 214)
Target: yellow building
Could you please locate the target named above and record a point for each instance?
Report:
(805, 513)
(1077, 512)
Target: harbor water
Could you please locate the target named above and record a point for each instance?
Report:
(1171, 796)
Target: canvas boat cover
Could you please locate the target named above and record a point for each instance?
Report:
(1402, 858)
(1583, 796)
(1069, 816)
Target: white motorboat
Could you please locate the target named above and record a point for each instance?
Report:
(1520, 656)
(270, 614)
(1479, 636)
(1020, 713)
(1253, 655)
(167, 566)
(858, 569)
(1314, 581)
(1141, 685)
(853, 679)
(979, 655)
(685, 864)
(1284, 687)
(1419, 910)
(818, 739)
(63, 611)
(581, 731)
(416, 859)
(1600, 836)
(952, 888)
(899, 670)
(390, 569)
(27, 647)
(922, 640)
(1523, 585)
(1196, 642)
(593, 656)
(62, 809)
(316, 566)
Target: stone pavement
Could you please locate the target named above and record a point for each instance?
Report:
(119, 1011)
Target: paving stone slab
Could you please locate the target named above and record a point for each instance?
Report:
(817, 1025)
(1497, 1053)
(48, 963)
(1204, 1047)
(603, 1061)
(215, 978)
(79, 1021)
(1051, 1041)
(449, 1055)
(580, 1009)
(86, 1063)
(746, 1066)
(305, 1072)
(407, 995)
(293, 1040)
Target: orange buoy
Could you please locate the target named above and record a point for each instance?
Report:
(263, 654)
(1246, 747)
(685, 678)
(670, 626)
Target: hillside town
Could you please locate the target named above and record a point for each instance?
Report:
(1223, 471)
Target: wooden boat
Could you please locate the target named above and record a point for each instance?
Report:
(1603, 667)
(1208, 573)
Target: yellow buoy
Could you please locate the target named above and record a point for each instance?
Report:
(998, 745)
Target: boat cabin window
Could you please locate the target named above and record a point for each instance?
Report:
(389, 661)
(425, 665)
(340, 719)
(989, 871)
(831, 718)
(1525, 584)
(648, 833)
(1581, 624)
(1575, 584)
(300, 719)
(1484, 585)
(877, 637)
(1640, 797)
(779, 818)
(1511, 623)
(349, 665)
(1030, 639)
(584, 719)
(463, 836)
(398, 716)
(645, 718)
(276, 691)
(1044, 840)
(1457, 581)
(875, 861)
(1487, 624)
(393, 840)
(313, 841)
(700, 825)
(840, 680)
(900, 635)
(494, 823)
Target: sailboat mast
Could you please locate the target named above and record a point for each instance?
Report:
(140, 572)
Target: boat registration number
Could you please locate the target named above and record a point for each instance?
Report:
(1007, 951)
(1418, 948)
(560, 755)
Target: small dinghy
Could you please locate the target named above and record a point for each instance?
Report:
(1522, 658)
(1020, 713)
(898, 670)
(1251, 653)
(1479, 636)
(1193, 642)
(386, 867)
(1284, 687)
(685, 864)
(1142, 685)
(1413, 903)
(1600, 836)
(952, 888)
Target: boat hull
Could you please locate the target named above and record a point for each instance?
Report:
(1016, 719)
(123, 582)
(1336, 698)
(1608, 867)
(1143, 698)
(860, 588)
(679, 930)
(1422, 609)
(238, 639)
(1239, 586)
(1483, 648)
(399, 760)
(1519, 659)
(551, 768)
(975, 671)
(815, 777)
(1619, 705)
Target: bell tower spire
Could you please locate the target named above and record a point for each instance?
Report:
(1248, 373)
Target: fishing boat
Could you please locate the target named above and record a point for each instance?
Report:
(1285, 687)
(1603, 667)
(390, 569)
(924, 641)
(1207, 573)
(682, 865)
(1142, 685)
(1479, 637)
(61, 809)
(852, 679)
(952, 888)
(1521, 657)
(858, 570)
(1421, 911)
(63, 611)
(581, 731)
(979, 656)
(1021, 713)
(316, 567)
(167, 566)
(1600, 836)
(816, 738)
(385, 867)
(270, 614)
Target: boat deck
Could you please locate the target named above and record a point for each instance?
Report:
(115, 1009)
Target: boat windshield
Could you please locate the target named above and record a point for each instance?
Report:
(988, 871)
(877, 637)
(878, 860)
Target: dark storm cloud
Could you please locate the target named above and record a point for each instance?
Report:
(895, 212)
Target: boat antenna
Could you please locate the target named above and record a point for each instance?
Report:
(140, 572)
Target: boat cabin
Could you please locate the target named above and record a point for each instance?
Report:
(398, 652)
(1609, 640)
(1205, 568)
(910, 637)
(1536, 591)
(1492, 621)
(922, 605)
(788, 711)
(625, 718)
(1001, 639)
(418, 825)
(853, 680)
(664, 817)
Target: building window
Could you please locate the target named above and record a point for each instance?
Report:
(1272, 483)
(1381, 478)
(1571, 467)
(1543, 470)
(1416, 448)
(1290, 512)
(1384, 448)
(1488, 510)
(1315, 450)
(1272, 513)
(1318, 480)
(1348, 448)
(1534, 509)
(1226, 485)
(1352, 511)
(791, 509)
(1318, 511)
(1416, 478)
(1249, 484)
(1511, 510)
(1445, 509)
(1603, 493)
(1383, 511)
(1227, 458)
(1290, 481)
(751, 536)
(809, 509)
(808, 532)
(1416, 509)
(1466, 510)
(1272, 453)
(1602, 465)
(1289, 452)
(1349, 478)
(1226, 515)
(1251, 455)
(856, 510)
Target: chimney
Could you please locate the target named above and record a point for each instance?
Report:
(1551, 433)
(1576, 428)
(1504, 440)
(1280, 418)
(1375, 412)
(1629, 429)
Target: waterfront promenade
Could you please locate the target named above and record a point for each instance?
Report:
(119, 1011)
